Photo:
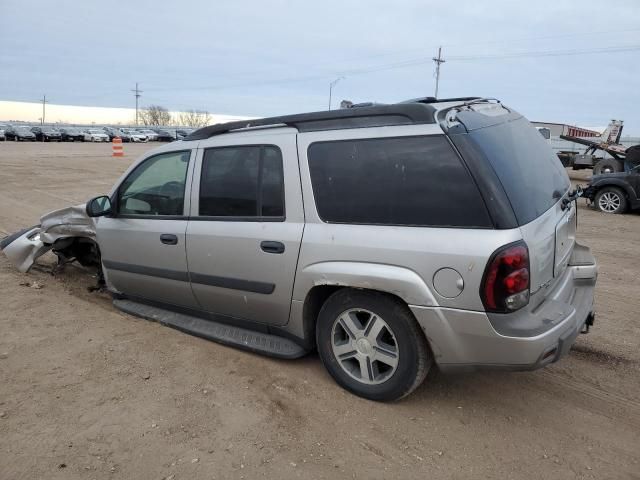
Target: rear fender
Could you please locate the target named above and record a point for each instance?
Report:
(399, 281)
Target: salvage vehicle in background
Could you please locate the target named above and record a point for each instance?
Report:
(150, 134)
(134, 135)
(71, 134)
(19, 133)
(46, 134)
(614, 192)
(95, 135)
(165, 135)
(390, 238)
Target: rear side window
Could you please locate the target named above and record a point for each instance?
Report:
(394, 181)
(529, 171)
(244, 181)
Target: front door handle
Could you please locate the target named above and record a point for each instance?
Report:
(272, 247)
(169, 239)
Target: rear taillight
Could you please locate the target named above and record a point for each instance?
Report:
(505, 284)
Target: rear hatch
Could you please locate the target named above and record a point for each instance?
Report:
(532, 180)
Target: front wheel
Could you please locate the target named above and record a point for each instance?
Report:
(611, 200)
(371, 345)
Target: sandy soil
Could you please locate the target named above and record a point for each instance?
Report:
(88, 392)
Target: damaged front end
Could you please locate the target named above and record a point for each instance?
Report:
(70, 233)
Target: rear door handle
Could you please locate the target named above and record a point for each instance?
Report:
(272, 247)
(169, 239)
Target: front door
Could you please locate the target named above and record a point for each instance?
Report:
(246, 226)
(143, 243)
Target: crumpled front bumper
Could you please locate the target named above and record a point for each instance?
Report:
(23, 248)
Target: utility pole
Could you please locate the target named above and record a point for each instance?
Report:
(44, 102)
(438, 61)
(331, 85)
(137, 93)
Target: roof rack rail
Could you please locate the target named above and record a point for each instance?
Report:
(439, 100)
(370, 116)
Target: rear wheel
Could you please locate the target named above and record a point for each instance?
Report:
(371, 345)
(608, 165)
(611, 200)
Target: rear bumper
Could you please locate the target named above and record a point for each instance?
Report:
(464, 340)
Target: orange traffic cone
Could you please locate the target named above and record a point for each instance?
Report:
(117, 148)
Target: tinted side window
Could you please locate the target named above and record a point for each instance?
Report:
(156, 186)
(245, 181)
(394, 181)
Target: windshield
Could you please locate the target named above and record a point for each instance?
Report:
(530, 173)
(96, 131)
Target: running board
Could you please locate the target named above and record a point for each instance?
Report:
(263, 343)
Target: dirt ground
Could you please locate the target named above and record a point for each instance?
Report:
(88, 392)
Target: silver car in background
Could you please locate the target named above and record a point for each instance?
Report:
(391, 238)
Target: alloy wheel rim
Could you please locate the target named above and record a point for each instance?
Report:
(364, 346)
(609, 202)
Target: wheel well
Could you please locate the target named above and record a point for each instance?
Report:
(316, 298)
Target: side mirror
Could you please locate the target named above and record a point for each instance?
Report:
(99, 206)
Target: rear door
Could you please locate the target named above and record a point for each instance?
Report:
(143, 246)
(246, 225)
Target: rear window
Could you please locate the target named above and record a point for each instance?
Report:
(394, 181)
(530, 173)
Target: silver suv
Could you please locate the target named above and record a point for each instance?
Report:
(388, 237)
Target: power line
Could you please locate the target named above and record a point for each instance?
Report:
(438, 61)
(44, 102)
(137, 93)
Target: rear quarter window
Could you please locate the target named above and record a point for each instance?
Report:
(413, 181)
(530, 173)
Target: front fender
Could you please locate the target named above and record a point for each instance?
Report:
(614, 182)
(399, 281)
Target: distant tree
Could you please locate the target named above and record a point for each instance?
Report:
(194, 118)
(154, 115)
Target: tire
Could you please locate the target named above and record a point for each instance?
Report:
(611, 200)
(608, 165)
(633, 155)
(385, 366)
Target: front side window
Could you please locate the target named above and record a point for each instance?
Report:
(394, 181)
(156, 186)
(243, 181)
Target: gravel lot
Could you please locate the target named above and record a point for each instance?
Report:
(88, 392)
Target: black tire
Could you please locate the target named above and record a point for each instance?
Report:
(611, 200)
(633, 155)
(413, 355)
(608, 165)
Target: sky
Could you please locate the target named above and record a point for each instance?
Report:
(556, 61)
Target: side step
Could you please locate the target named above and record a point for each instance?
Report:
(263, 343)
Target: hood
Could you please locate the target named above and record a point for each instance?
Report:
(24, 247)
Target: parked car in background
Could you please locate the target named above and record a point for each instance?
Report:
(117, 132)
(2, 135)
(135, 135)
(46, 134)
(615, 192)
(95, 135)
(150, 134)
(184, 132)
(19, 133)
(71, 134)
(165, 135)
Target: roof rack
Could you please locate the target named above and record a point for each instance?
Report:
(373, 116)
(416, 111)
